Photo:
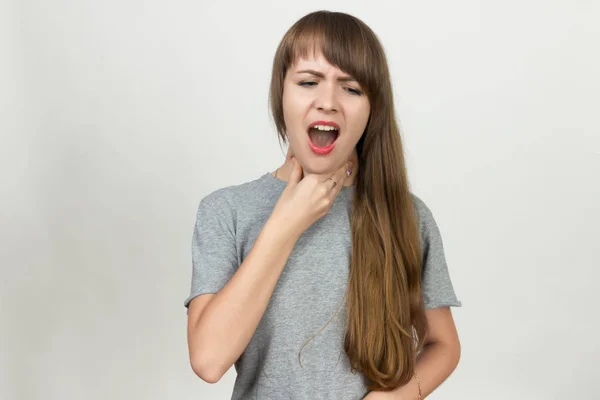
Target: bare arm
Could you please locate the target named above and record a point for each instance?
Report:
(220, 326)
(439, 357)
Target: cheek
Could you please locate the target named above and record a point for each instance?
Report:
(287, 111)
(294, 109)
(360, 116)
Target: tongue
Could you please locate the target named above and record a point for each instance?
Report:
(322, 138)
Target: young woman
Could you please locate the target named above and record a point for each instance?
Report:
(325, 279)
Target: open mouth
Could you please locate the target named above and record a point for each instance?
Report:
(322, 138)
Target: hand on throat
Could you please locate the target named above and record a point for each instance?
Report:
(284, 171)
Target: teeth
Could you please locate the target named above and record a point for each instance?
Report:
(325, 127)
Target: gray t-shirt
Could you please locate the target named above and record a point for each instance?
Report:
(308, 294)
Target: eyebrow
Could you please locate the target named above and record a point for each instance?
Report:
(321, 75)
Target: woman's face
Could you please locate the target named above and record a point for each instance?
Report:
(315, 92)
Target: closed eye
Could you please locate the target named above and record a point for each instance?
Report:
(348, 89)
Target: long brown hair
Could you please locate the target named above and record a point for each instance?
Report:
(386, 323)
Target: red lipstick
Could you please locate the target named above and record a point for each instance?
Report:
(321, 150)
(327, 149)
(329, 123)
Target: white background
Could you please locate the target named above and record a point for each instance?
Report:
(118, 116)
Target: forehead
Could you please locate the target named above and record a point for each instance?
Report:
(315, 61)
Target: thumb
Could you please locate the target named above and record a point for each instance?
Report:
(296, 175)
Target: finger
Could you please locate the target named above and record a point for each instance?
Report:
(289, 154)
(296, 175)
(340, 177)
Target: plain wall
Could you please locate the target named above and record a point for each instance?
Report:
(119, 116)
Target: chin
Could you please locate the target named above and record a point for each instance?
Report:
(316, 164)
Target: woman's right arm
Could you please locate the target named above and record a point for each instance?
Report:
(221, 325)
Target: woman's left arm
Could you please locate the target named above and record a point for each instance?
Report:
(437, 360)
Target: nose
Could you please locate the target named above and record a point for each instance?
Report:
(326, 99)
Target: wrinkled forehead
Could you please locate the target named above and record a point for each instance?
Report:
(310, 54)
(316, 62)
(306, 48)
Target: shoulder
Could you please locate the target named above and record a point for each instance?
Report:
(228, 199)
(428, 226)
(424, 214)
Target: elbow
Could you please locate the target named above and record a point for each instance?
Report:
(203, 361)
(205, 371)
(455, 352)
(448, 351)
(206, 361)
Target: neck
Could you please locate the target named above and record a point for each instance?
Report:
(285, 170)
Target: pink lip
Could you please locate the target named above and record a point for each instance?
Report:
(322, 150)
(329, 123)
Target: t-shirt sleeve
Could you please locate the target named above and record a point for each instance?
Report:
(214, 254)
(438, 290)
